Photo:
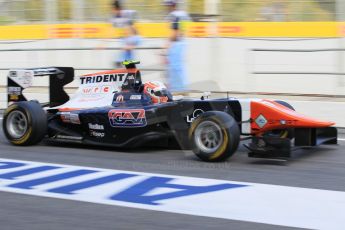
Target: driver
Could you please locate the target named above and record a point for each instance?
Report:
(157, 91)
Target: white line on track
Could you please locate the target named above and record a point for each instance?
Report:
(252, 202)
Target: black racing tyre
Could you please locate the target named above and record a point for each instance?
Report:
(282, 133)
(25, 123)
(214, 136)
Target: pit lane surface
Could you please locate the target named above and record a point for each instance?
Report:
(321, 168)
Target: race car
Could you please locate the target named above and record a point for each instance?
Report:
(116, 109)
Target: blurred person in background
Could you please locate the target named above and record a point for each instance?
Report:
(124, 19)
(130, 41)
(175, 48)
(275, 11)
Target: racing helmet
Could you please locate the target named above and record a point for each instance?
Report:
(157, 91)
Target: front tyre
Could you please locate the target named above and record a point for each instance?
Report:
(214, 136)
(25, 123)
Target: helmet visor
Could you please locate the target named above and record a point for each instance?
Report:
(161, 93)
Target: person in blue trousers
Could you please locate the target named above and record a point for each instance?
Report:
(176, 48)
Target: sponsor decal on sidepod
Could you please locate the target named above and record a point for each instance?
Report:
(96, 126)
(127, 118)
(192, 117)
(68, 117)
(96, 134)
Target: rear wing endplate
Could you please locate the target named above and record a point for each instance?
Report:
(20, 79)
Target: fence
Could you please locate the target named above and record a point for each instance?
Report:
(28, 11)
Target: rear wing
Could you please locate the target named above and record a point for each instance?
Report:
(20, 79)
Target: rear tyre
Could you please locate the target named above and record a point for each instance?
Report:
(214, 136)
(25, 123)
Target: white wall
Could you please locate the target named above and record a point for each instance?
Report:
(213, 63)
(231, 62)
(226, 62)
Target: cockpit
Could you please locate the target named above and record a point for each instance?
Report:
(133, 90)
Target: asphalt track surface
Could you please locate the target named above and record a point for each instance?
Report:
(319, 168)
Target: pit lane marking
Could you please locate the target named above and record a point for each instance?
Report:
(251, 202)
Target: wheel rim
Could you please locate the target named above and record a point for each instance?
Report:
(16, 124)
(208, 136)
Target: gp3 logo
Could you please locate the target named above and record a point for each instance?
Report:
(127, 118)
